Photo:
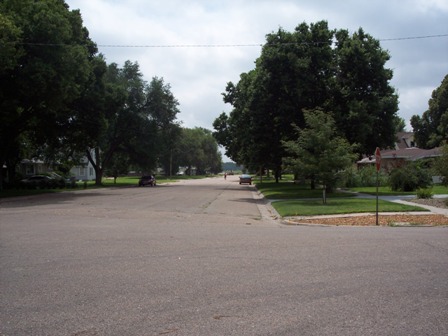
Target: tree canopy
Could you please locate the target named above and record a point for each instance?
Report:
(312, 67)
(46, 58)
(60, 101)
(198, 148)
(431, 129)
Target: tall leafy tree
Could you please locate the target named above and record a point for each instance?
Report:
(46, 54)
(125, 122)
(234, 132)
(364, 104)
(9, 34)
(301, 70)
(294, 71)
(114, 114)
(162, 108)
(431, 129)
(128, 120)
(198, 148)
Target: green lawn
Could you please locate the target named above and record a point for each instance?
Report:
(291, 199)
(383, 191)
(289, 190)
(337, 206)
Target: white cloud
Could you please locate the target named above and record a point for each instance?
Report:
(431, 5)
(199, 75)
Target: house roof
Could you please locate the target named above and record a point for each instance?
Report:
(410, 154)
(404, 140)
(32, 161)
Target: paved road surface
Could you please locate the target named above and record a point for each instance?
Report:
(207, 258)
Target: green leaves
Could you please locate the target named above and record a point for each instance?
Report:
(318, 152)
(198, 148)
(45, 55)
(312, 67)
(431, 129)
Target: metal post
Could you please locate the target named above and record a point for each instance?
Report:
(377, 182)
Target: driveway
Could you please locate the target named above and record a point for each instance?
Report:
(208, 257)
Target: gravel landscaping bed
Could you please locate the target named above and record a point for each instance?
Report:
(435, 202)
(408, 219)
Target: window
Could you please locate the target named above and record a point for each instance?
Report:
(29, 169)
(82, 171)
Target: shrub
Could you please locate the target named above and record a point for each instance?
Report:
(363, 177)
(409, 178)
(441, 165)
(425, 193)
(350, 178)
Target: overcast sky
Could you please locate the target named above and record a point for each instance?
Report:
(147, 30)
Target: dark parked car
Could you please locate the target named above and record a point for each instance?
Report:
(147, 180)
(39, 182)
(245, 179)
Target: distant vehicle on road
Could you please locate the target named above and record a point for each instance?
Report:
(245, 179)
(147, 180)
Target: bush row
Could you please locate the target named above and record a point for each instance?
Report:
(407, 178)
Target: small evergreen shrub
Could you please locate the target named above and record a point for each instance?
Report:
(425, 193)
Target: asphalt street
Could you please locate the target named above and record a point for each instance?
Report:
(209, 257)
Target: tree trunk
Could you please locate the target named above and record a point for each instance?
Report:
(98, 176)
(1, 175)
(278, 174)
(96, 165)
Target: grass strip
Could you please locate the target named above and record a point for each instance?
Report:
(386, 191)
(338, 206)
(289, 190)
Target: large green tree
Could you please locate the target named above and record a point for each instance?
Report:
(122, 119)
(431, 129)
(197, 148)
(121, 122)
(234, 132)
(45, 58)
(312, 67)
(162, 109)
(291, 74)
(364, 104)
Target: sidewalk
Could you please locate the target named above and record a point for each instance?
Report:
(402, 200)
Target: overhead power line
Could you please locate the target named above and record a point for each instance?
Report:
(180, 45)
(414, 37)
(227, 45)
(249, 44)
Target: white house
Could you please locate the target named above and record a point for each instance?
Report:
(84, 171)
